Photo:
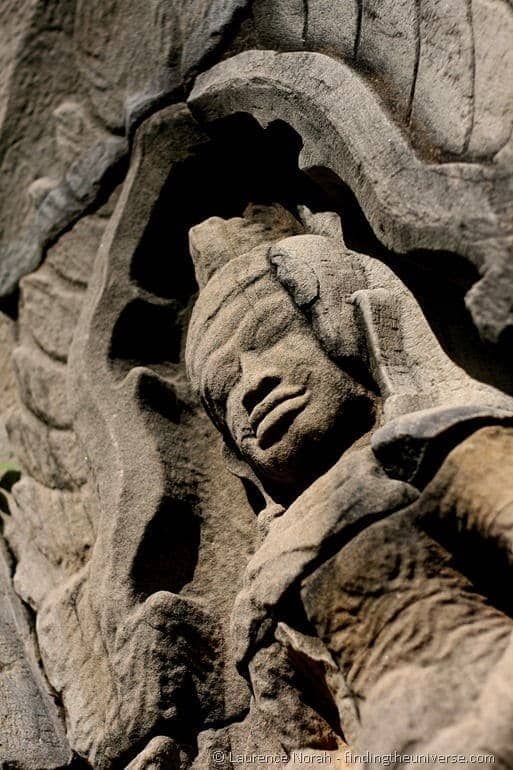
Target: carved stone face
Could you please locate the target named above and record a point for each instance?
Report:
(288, 408)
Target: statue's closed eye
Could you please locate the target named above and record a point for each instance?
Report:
(296, 276)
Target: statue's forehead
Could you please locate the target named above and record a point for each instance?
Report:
(250, 312)
(244, 307)
(265, 316)
(252, 321)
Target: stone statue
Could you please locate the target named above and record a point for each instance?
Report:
(341, 508)
(338, 408)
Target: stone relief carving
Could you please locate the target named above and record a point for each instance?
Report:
(255, 497)
(335, 399)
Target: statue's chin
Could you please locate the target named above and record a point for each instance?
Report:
(308, 448)
(291, 465)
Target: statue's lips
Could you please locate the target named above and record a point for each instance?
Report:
(271, 418)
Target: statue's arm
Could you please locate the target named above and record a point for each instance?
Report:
(472, 493)
(351, 495)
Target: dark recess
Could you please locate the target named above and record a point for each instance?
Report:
(244, 163)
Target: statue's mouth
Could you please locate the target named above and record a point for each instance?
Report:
(272, 417)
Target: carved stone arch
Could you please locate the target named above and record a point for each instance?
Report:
(411, 202)
(430, 63)
(133, 632)
(147, 615)
(142, 619)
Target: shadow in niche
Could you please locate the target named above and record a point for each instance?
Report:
(245, 163)
(9, 305)
(219, 180)
(242, 164)
(439, 282)
(168, 554)
(145, 334)
(158, 396)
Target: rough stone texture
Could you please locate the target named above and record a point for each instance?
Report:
(31, 730)
(440, 82)
(417, 56)
(262, 509)
(8, 384)
(387, 606)
(411, 204)
(94, 85)
(391, 613)
(473, 488)
(169, 497)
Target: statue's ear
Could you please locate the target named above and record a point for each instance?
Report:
(296, 275)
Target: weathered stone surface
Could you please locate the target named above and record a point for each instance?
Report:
(443, 102)
(404, 623)
(74, 67)
(41, 54)
(8, 384)
(51, 533)
(410, 204)
(163, 531)
(74, 253)
(160, 754)
(387, 610)
(427, 63)
(473, 488)
(16, 18)
(42, 384)
(52, 520)
(391, 608)
(491, 131)
(31, 732)
(262, 510)
(85, 181)
(169, 676)
(48, 180)
(49, 313)
(388, 45)
(51, 456)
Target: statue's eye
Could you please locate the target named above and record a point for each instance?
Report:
(220, 379)
(232, 378)
(298, 277)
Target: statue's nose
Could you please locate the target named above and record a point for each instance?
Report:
(258, 390)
